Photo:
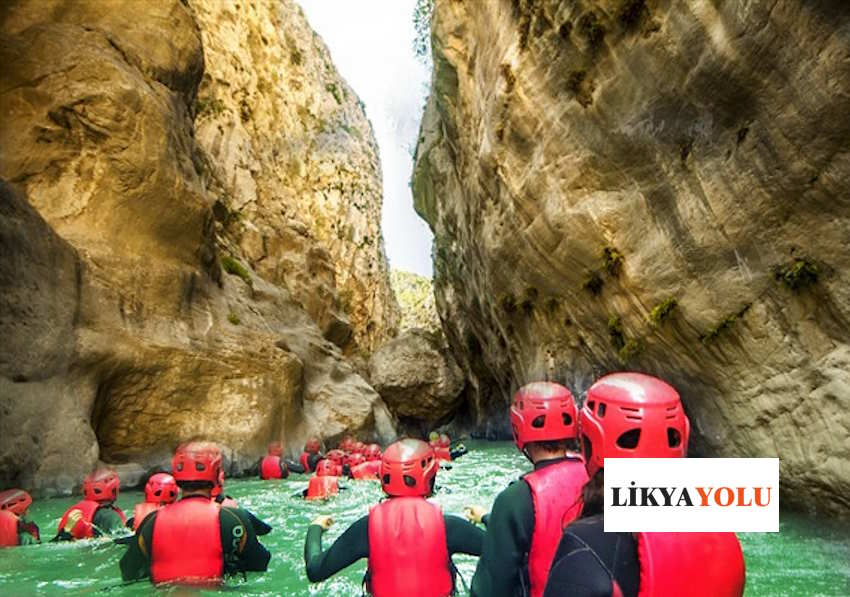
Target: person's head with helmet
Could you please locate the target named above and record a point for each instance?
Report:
(629, 415)
(543, 421)
(101, 486)
(196, 466)
(408, 468)
(161, 488)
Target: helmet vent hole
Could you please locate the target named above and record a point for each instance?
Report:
(588, 447)
(629, 440)
(539, 422)
(409, 481)
(591, 404)
(386, 479)
(567, 419)
(601, 410)
(199, 466)
(97, 490)
(158, 492)
(674, 438)
(422, 463)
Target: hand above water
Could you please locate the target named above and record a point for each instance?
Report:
(323, 521)
(474, 513)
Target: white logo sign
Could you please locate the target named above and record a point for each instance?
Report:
(691, 495)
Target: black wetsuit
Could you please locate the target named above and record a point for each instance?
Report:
(461, 537)
(105, 520)
(260, 527)
(312, 459)
(588, 558)
(252, 557)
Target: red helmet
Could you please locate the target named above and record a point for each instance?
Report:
(327, 468)
(408, 468)
(161, 488)
(276, 449)
(197, 461)
(372, 452)
(336, 456)
(15, 501)
(353, 460)
(101, 486)
(347, 443)
(632, 415)
(543, 411)
(358, 447)
(312, 446)
(444, 441)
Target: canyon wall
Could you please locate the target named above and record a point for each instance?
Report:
(190, 206)
(658, 186)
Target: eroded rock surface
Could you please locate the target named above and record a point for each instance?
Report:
(138, 314)
(659, 186)
(418, 379)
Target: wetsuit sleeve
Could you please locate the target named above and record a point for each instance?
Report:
(506, 544)
(294, 467)
(352, 545)
(462, 536)
(260, 527)
(135, 563)
(242, 550)
(107, 521)
(587, 558)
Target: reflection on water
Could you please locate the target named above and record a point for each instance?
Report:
(808, 557)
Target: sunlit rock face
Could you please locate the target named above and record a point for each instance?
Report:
(658, 186)
(138, 310)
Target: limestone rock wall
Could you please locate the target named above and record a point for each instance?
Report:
(137, 313)
(651, 185)
(294, 166)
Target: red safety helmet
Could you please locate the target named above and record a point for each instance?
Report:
(543, 411)
(101, 486)
(161, 488)
(353, 460)
(372, 452)
(312, 446)
(15, 501)
(327, 468)
(276, 449)
(444, 441)
(347, 443)
(632, 415)
(336, 456)
(358, 447)
(197, 461)
(408, 468)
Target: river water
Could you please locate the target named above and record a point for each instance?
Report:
(808, 556)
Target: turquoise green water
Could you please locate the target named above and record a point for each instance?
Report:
(808, 557)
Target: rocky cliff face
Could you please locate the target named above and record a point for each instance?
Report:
(651, 185)
(165, 279)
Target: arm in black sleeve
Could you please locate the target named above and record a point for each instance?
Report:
(506, 544)
(135, 563)
(284, 469)
(242, 550)
(462, 536)
(352, 545)
(294, 467)
(260, 527)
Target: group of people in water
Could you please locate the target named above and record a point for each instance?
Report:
(544, 535)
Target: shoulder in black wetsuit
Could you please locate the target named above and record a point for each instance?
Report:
(251, 556)
(353, 544)
(588, 558)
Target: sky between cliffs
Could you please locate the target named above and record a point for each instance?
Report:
(371, 44)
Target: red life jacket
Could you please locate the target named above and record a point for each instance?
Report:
(321, 488)
(556, 494)
(270, 468)
(693, 564)
(442, 453)
(304, 459)
(8, 529)
(141, 511)
(186, 545)
(370, 470)
(84, 529)
(407, 549)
